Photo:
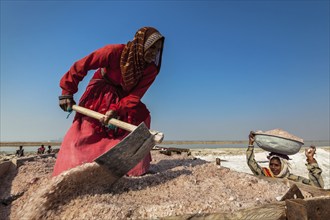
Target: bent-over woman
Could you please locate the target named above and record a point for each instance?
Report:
(124, 72)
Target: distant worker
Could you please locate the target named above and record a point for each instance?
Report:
(279, 166)
(41, 150)
(20, 152)
(50, 150)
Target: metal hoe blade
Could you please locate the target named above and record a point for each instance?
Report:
(129, 152)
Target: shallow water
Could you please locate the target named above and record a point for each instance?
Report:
(320, 143)
(27, 149)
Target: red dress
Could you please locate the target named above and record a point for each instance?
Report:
(87, 139)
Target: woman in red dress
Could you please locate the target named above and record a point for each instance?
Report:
(124, 72)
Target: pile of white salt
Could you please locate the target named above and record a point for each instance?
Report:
(179, 185)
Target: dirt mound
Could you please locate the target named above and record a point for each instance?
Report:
(178, 185)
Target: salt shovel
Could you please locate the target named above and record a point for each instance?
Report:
(131, 150)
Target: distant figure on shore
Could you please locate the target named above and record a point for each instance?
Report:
(279, 166)
(41, 150)
(50, 150)
(20, 152)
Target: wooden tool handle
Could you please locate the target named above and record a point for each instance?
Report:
(98, 116)
(158, 136)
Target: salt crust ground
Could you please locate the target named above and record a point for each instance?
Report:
(179, 185)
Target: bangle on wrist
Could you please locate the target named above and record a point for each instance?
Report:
(65, 97)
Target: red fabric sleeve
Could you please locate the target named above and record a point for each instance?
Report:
(138, 91)
(97, 59)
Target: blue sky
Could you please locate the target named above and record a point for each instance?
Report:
(228, 67)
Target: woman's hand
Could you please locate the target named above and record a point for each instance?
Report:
(66, 102)
(251, 138)
(108, 115)
(310, 154)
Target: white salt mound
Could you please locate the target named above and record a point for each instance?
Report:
(86, 179)
(179, 185)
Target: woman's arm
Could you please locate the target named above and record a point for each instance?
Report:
(252, 163)
(314, 171)
(314, 174)
(97, 59)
